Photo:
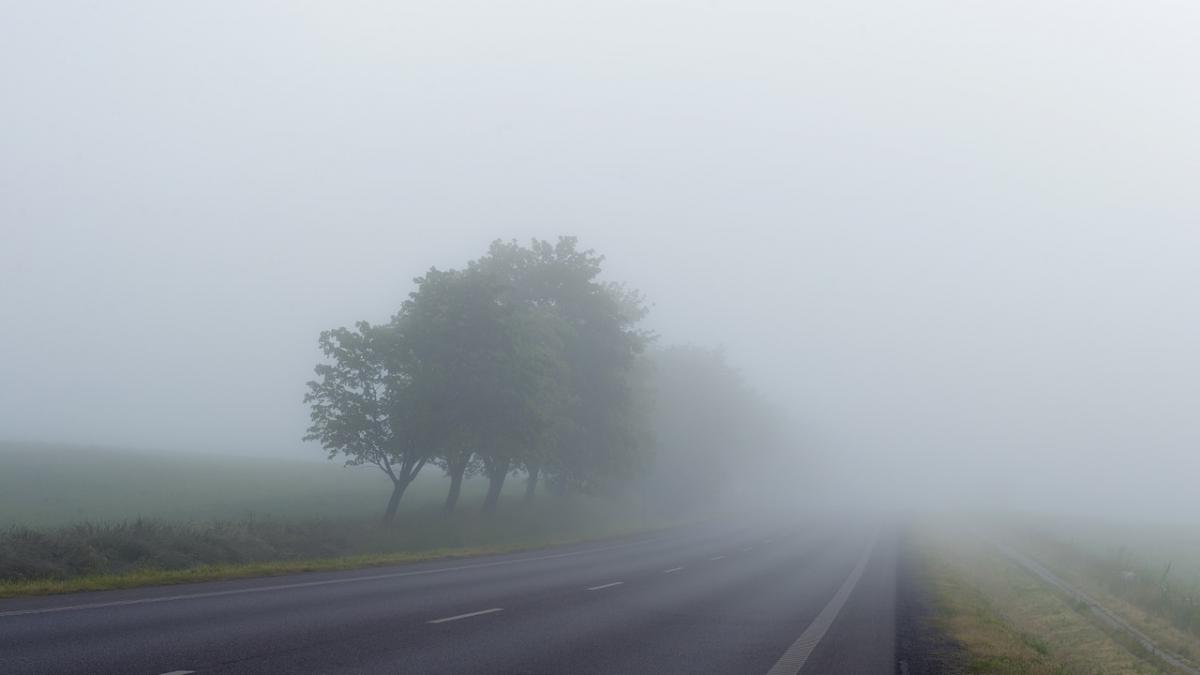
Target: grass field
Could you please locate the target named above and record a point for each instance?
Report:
(48, 485)
(84, 518)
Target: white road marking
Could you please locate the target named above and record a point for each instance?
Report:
(793, 659)
(468, 615)
(716, 557)
(748, 548)
(180, 672)
(673, 569)
(309, 584)
(599, 588)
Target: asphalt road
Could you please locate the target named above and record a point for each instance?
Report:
(704, 599)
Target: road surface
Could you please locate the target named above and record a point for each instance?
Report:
(702, 599)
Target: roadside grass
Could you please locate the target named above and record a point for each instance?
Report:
(163, 577)
(1007, 620)
(1155, 588)
(45, 485)
(74, 519)
(128, 555)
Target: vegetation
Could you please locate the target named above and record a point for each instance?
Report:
(1009, 621)
(707, 425)
(140, 552)
(1149, 576)
(524, 361)
(47, 486)
(119, 522)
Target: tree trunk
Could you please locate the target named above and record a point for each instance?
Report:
(456, 479)
(496, 475)
(531, 482)
(394, 501)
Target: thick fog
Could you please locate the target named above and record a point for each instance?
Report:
(957, 242)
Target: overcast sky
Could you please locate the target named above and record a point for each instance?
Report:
(934, 231)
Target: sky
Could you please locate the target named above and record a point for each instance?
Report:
(951, 239)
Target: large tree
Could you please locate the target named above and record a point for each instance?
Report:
(363, 407)
(709, 428)
(596, 439)
(522, 360)
(484, 364)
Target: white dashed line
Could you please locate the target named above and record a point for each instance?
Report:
(468, 615)
(748, 548)
(600, 588)
(312, 584)
(717, 557)
(180, 672)
(673, 569)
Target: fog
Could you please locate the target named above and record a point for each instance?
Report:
(955, 241)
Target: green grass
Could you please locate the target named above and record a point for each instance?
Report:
(152, 576)
(1007, 620)
(49, 485)
(1126, 570)
(75, 519)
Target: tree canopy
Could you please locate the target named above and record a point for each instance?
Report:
(523, 360)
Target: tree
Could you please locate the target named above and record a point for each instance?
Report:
(459, 461)
(598, 439)
(439, 352)
(363, 408)
(532, 376)
(708, 427)
(522, 360)
(483, 364)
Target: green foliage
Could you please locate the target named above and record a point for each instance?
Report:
(526, 359)
(595, 438)
(523, 359)
(482, 367)
(707, 423)
(363, 407)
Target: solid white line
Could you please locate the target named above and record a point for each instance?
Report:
(597, 588)
(716, 557)
(673, 569)
(456, 617)
(793, 659)
(310, 584)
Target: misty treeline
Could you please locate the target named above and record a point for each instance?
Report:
(525, 362)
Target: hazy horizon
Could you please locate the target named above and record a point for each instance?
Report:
(954, 242)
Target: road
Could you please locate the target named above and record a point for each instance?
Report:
(716, 598)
